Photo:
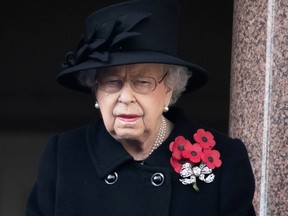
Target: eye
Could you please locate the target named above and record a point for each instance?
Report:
(111, 80)
(143, 81)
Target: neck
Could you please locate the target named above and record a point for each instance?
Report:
(160, 137)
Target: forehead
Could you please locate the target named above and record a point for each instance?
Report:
(145, 69)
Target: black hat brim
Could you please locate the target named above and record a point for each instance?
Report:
(70, 76)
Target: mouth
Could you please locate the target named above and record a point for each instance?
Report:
(128, 118)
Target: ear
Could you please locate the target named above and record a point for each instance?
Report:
(168, 97)
(94, 92)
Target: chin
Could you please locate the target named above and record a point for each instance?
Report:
(127, 134)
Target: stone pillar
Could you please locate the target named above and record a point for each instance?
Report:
(259, 97)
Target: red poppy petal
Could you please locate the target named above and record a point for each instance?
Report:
(215, 154)
(180, 139)
(209, 135)
(176, 165)
(195, 159)
(188, 146)
(201, 132)
(196, 137)
(178, 168)
(208, 152)
(177, 155)
(212, 143)
(173, 162)
(203, 157)
(218, 163)
(186, 154)
(210, 165)
(171, 146)
(197, 147)
(206, 145)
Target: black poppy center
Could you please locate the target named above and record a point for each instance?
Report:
(194, 153)
(182, 161)
(204, 139)
(210, 159)
(180, 147)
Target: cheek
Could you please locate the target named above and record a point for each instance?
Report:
(156, 103)
(106, 109)
(152, 108)
(108, 118)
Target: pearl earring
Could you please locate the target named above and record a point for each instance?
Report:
(97, 105)
(166, 108)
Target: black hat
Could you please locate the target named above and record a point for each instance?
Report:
(137, 31)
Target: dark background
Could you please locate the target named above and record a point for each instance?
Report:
(34, 38)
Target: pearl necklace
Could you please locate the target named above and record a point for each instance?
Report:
(160, 137)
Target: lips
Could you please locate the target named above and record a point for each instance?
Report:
(128, 117)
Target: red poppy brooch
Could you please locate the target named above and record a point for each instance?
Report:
(195, 160)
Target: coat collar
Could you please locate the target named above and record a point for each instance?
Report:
(107, 154)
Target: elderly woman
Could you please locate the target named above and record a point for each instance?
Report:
(136, 160)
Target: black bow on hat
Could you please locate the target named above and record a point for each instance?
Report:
(137, 31)
(104, 38)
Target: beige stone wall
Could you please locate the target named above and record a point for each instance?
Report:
(259, 97)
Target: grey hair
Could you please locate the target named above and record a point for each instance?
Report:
(87, 78)
(176, 79)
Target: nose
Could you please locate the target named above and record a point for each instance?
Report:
(126, 94)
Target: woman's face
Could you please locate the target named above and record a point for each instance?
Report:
(130, 115)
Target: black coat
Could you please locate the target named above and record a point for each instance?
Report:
(74, 166)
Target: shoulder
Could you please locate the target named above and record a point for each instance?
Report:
(76, 132)
(74, 135)
(225, 140)
(70, 141)
(187, 127)
(229, 148)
